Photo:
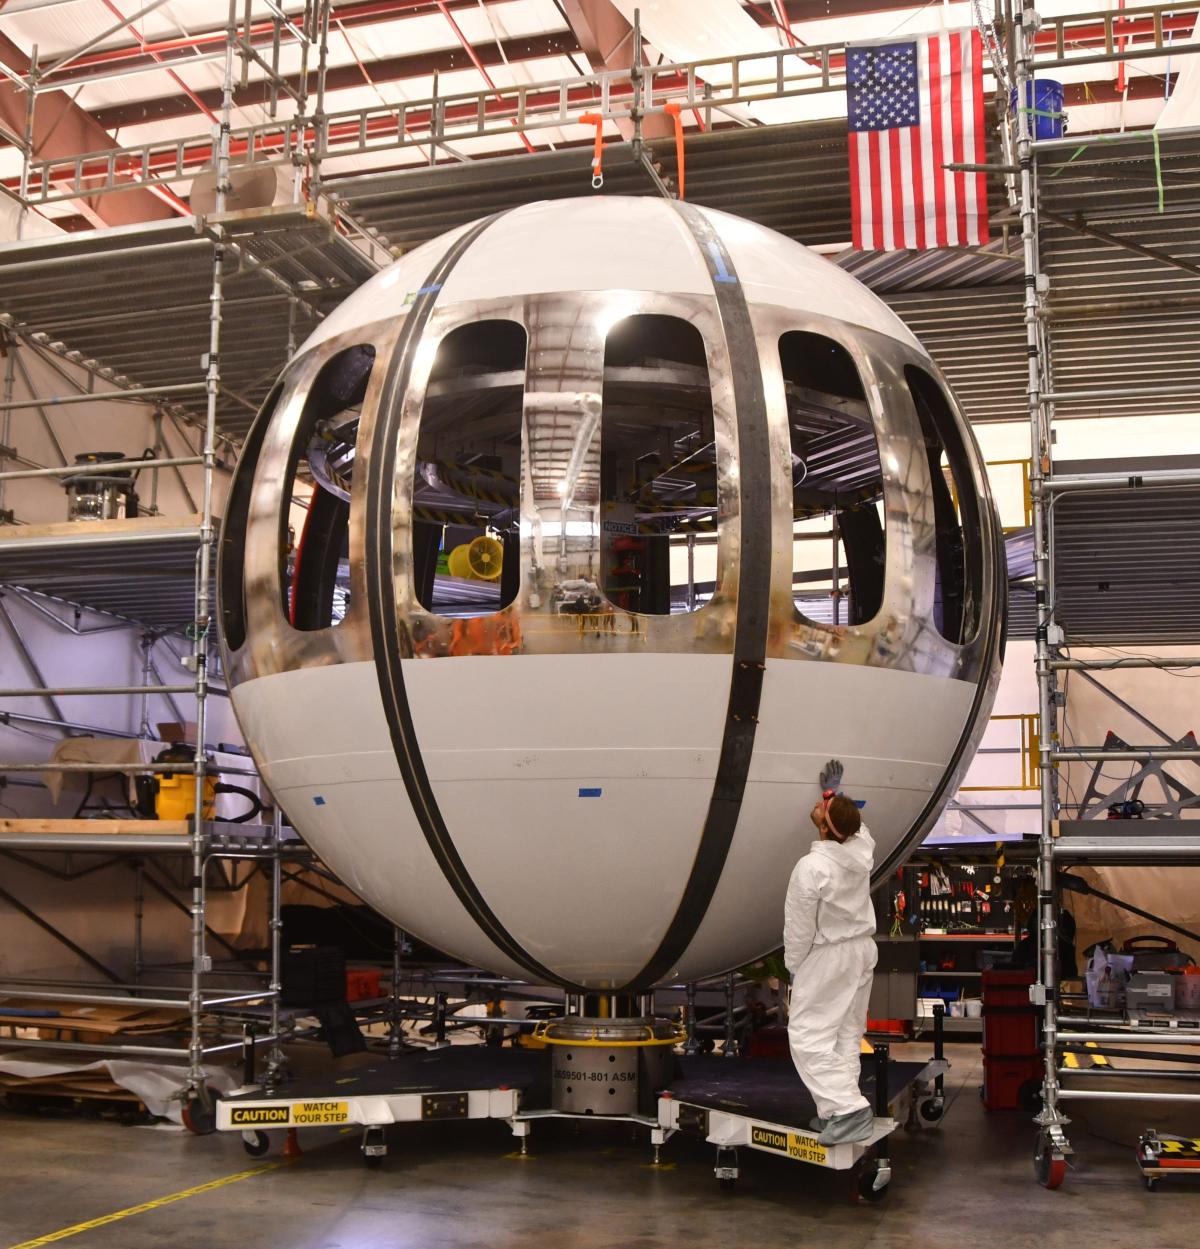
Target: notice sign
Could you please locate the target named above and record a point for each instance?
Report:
(802, 1148)
(311, 1114)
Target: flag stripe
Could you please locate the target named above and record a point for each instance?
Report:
(928, 168)
(956, 133)
(981, 214)
(918, 186)
(949, 187)
(876, 176)
(901, 206)
(856, 224)
(935, 128)
(864, 193)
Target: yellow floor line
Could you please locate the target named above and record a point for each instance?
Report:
(145, 1206)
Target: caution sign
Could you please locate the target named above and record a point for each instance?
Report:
(259, 1116)
(802, 1148)
(768, 1138)
(311, 1114)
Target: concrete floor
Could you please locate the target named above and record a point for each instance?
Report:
(967, 1181)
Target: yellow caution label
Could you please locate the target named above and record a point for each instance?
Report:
(310, 1114)
(806, 1149)
(802, 1148)
(259, 1116)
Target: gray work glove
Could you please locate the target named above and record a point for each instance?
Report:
(831, 775)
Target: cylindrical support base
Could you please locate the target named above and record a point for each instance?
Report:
(608, 1066)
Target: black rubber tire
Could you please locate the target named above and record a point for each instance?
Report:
(864, 1182)
(258, 1146)
(932, 1109)
(727, 1186)
(1029, 1095)
(372, 1161)
(1150, 1183)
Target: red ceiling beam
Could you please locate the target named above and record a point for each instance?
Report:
(345, 77)
(61, 128)
(179, 50)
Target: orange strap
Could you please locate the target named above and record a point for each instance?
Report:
(595, 119)
(672, 107)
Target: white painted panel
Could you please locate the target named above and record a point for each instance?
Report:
(322, 742)
(366, 831)
(568, 702)
(588, 884)
(894, 731)
(590, 243)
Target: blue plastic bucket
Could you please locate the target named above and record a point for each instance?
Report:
(1049, 121)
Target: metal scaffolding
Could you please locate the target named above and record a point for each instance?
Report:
(83, 301)
(1121, 203)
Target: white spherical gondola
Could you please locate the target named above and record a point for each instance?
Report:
(539, 677)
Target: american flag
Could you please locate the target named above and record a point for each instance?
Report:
(915, 106)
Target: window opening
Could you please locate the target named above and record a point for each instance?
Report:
(838, 542)
(233, 526)
(658, 468)
(959, 543)
(466, 491)
(315, 540)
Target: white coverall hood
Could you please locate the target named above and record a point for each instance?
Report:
(829, 947)
(836, 876)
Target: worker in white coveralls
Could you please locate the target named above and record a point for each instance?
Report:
(829, 949)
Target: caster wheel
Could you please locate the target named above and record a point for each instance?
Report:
(372, 1162)
(200, 1113)
(932, 1109)
(1150, 1183)
(1050, 1168)
(727, 1186)
(256, 1143)
(868, 1183)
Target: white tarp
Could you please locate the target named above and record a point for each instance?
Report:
(155, 1084)
(1183, 108)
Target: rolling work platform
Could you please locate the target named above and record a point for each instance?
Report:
(756, 1103)
(761, 1104)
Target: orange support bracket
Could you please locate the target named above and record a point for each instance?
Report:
(672, 109)
(597, 120)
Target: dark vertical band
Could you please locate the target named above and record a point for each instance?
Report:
(381, 476)
(753, 600)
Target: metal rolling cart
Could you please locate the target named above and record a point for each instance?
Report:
(761, 1105)
(758, 1104)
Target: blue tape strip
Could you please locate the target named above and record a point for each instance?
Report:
(318, 801)
(590, 793)
(722, 274)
